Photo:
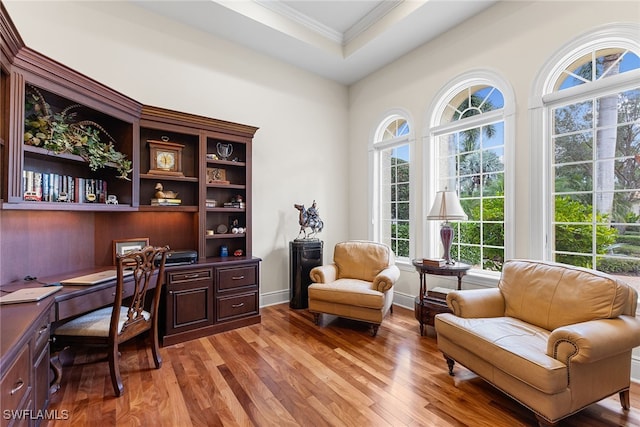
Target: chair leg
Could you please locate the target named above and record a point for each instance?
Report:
(155, 349)
(450, 363)
(624, 400)
(114, 369)
(56, 368)
(374, 330)
(544, 423)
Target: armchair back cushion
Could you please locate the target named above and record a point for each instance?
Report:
(361, 260)
(559, 296)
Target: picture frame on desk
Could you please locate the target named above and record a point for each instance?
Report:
(122, 246)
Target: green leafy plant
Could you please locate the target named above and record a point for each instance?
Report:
(63, 133)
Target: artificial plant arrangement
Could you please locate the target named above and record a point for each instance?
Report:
(63, 133)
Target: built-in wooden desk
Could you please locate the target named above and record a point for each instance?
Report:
(24, 360)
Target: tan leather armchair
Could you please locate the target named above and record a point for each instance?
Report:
(557, 338)
(357, 285)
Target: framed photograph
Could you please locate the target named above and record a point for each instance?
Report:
(121, 247)
(216, 176)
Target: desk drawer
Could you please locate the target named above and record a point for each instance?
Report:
(236, 306)
(189, 276)
(90, 301)
(236, 277)
(15, 384)
(42, 333)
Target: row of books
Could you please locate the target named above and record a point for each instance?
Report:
(238, 205)
(51, 187)
(166, 202)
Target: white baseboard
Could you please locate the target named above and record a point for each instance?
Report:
(273, 298)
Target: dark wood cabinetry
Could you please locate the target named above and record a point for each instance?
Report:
(237, 291)
(193, 222)
(25, 370)
(213, 296)
(188, 303)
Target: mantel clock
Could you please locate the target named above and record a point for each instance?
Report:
(166, 157)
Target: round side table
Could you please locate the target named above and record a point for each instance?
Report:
(426, 307)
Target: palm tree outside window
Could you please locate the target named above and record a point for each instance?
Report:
(594, 141)
(470, 158)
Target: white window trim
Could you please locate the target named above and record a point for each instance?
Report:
(374, 175)
(543, 97)
(431, 235)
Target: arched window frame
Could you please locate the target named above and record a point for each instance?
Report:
(435, 111)
(376, 146)
(544, 97)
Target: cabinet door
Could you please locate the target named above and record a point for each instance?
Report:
(189, 300)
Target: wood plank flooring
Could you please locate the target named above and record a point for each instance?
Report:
(288, 372)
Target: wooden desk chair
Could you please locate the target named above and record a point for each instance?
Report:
(110, 326)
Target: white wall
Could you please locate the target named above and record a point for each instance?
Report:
(514, 39)
(300, 149)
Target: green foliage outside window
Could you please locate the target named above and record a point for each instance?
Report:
(574, 232)
(400, 239)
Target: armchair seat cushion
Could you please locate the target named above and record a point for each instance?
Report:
(348, 292)
(515, 347)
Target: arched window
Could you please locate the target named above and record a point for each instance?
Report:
(469, 142)
(590, 102)
(391, 208)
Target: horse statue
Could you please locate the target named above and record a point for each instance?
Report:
(309, 218)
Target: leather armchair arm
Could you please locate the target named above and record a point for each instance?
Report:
(386, 278)
(324, 273)
(594, 340)
(476, 303)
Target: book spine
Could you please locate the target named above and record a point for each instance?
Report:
(45, 187)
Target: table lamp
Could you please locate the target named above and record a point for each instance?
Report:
(446, 207)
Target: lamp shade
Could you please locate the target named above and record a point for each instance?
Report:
(446, 207)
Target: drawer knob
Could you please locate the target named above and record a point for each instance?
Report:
(191, 276)
(19, 384)
(237, 277)
(43, 329)
(237, 305)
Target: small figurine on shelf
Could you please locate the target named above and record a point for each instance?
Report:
(162, 194)
(164, 197)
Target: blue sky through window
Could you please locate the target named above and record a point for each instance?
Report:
(629, 62)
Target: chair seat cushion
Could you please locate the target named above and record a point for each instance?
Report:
(95, 323)
(348, 292)
(511, 345)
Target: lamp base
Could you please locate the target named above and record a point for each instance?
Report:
(446, 235)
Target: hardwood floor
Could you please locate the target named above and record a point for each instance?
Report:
(287, 371)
